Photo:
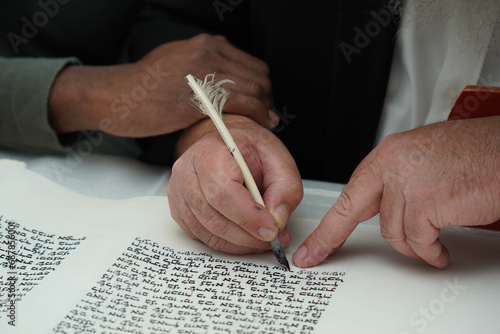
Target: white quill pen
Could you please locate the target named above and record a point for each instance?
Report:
(209, 97)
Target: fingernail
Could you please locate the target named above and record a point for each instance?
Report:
(267, 234)
(274, 118)
(281, 214)
(300, 255)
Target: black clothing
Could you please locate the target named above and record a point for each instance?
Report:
(329, 62)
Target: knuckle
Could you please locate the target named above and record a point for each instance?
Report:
(174, 211)
(215, 194)
(262, 67)
(266, 70)
(178, 168)
(389, 236)
(216, 225)
(200, 54)
(298, 192)
(414, 242)
(222, 38)
(252, 104)
(216, 243)
(390, 147)
(417, 196)
(392, 140)
(266, 84)
(255, 89)
(319, 239)
(246, 219)
(203, 38)
(244, 104)
(343, 205)
(321, 244)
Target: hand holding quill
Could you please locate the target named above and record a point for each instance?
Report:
(209, 98)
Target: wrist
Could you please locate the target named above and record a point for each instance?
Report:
(65, 92)
(206, 126)
(79, 98)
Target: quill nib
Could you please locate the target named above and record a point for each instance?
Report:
(279, 253)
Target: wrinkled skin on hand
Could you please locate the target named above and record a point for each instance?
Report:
(207, 197)
(151, 97)
(420, 181)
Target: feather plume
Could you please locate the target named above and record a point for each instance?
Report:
(209, 98)
(213, 90)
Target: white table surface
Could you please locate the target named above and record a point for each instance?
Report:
(114, 177)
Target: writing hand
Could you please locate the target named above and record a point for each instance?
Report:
(150, 97)
(419, 181)
(207, 197)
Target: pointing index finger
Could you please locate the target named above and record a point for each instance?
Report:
(359, 201)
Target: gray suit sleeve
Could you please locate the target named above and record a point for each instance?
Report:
(25, 85)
